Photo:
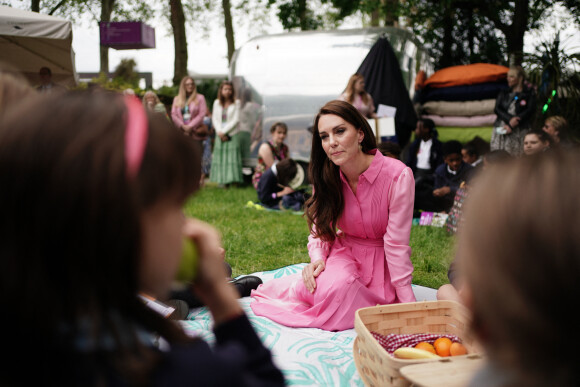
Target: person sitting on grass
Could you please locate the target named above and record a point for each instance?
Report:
(424, 156)
(449, 176)
(390, 149)
(278, 186)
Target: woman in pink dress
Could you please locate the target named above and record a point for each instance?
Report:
(360, 219)
(356, 95)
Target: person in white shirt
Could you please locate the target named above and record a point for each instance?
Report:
(424, 156)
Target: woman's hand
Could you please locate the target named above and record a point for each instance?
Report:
(310, 272)
(514, 122)
(223, 136)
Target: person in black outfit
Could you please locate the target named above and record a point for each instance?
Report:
(278, 186)
(449, 176)
(424, 155)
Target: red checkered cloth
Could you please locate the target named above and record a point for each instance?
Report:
(393, 341)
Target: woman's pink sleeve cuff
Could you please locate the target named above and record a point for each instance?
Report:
(405, 294)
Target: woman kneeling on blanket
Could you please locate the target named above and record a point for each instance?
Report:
(360, 219)
(93, 188)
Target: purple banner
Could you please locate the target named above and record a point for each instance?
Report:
(127, 35)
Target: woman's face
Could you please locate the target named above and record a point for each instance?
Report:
(150, 99)
(278, 136)
(533, 144)
(162, 244)
(359, 86)
(189, 86)
(550, 129)
(340, 139)
(227, 91)
(512, 78)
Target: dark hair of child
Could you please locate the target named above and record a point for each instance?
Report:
(71, 237)
(390, 149)
(451, 147)
(286, 171)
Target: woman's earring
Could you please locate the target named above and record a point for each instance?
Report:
(360, 146)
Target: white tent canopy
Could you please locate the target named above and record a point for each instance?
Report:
(29, 41)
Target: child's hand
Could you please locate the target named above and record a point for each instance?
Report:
(285, 191)
(208, 243)
(441, 191)
(210, 285)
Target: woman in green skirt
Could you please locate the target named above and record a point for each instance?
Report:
(227, 155)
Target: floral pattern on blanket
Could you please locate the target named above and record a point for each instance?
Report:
(306, 356)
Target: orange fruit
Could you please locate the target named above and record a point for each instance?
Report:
(457, 349)
(442, 346)
(426, 346)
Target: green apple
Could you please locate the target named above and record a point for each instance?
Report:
(189, 262)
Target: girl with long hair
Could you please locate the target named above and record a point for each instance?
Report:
(227, 153)
(93, 188)
(356, 95)
(359, 216)
(189, 109)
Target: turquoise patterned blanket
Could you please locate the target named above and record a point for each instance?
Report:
(306, 356)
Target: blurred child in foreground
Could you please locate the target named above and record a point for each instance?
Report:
(90, 216)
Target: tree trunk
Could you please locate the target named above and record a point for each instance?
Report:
(391, 13)
(177, 18)
(229, 29)
(446, 57)
(515, 35)
(303, 16)
(375, 18)
(35, 5)
(106, 11)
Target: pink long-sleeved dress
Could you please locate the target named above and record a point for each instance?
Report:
(367, 264)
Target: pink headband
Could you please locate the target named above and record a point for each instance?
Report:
(135, 135)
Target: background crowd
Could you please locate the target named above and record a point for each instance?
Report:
(357, 258)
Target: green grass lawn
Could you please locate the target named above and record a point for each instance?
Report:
(264, 240)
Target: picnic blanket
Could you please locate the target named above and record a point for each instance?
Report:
(306, 356)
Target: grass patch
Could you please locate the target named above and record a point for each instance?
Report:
(264, 240)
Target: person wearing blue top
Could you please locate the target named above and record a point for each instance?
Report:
(450, 175)
(278, 186)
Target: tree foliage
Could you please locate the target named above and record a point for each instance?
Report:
(557, 77)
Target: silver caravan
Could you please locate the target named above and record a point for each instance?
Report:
(291, 75)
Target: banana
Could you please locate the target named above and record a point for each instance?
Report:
(414, 353)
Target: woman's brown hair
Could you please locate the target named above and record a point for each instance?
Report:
(70, 233)
(349, 91)
(221, 97)
(326, 204)
(520, 254)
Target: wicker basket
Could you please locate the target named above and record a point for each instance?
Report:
(374, 364)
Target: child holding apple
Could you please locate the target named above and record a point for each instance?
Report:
(92, 189)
